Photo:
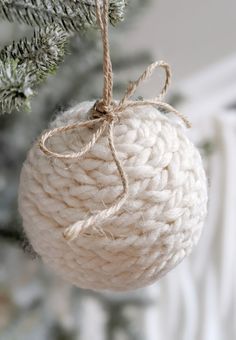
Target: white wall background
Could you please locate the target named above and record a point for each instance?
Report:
(197, 299)
(189, 34)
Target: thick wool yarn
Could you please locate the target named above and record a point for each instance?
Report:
(156, 228)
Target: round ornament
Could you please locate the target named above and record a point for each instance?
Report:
(158, 223)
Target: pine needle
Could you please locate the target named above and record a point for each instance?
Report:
(71, 15)
(26, 63)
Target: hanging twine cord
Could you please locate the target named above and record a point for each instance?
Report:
(105, 115)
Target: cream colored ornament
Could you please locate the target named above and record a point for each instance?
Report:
(157, 226)
(114, 195)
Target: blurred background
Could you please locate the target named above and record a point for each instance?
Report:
(197, 300)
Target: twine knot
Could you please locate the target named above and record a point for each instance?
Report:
(107, 113)
(99, 110)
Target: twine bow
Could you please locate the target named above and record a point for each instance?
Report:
(107, 114)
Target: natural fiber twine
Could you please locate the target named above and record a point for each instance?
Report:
(114, 195)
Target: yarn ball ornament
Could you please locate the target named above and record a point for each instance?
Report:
(158, 225)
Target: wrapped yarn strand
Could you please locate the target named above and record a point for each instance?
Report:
(108, 119)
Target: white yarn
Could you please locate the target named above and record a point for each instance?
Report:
(155, 229)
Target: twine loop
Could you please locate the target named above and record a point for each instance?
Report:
(107, 113)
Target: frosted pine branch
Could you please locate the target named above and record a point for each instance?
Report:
(15, 86)
(71, 15)
(43, 52)
(26, 63)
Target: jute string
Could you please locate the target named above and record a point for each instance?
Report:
(105, 115)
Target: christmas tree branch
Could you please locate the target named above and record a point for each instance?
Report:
(71, 15)
(24, 64)
(15, 86)
(45, 50)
